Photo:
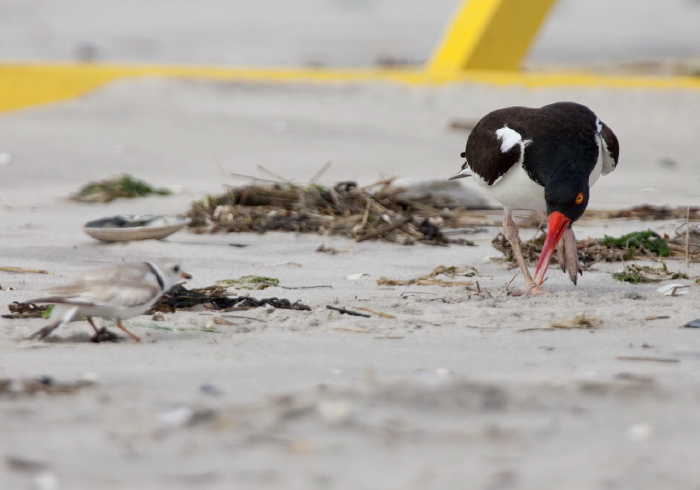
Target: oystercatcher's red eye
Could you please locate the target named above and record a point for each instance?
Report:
(579, 198)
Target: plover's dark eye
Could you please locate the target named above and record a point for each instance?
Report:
(176, 268)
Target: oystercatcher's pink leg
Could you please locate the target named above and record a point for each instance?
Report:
(511, 232)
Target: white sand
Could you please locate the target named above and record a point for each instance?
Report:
(452, 393)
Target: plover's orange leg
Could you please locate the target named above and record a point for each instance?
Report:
(89, 319)
(119, 324)
(102, 334)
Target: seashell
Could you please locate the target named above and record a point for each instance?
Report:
(129, 227)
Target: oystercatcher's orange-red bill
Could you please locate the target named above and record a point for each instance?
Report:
(557, 224)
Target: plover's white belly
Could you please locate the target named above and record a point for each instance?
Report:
(102, 311)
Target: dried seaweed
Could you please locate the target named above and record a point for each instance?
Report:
(362, 213)
(43, 384)
(431, 278)
(26, 310)
(579, 321)
(250, 282)
(647, 239)
(647, 212)
(216, 298)
(531, 248)
(121, 186)
(637, 274)
(633, 246)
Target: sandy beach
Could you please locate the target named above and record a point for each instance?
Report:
(594, 386)
(457, 390)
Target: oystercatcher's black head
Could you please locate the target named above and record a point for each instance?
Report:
(566, 199)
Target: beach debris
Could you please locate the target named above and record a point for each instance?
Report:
(323, 248)
(210, 389)
(379, 211)
(158, 317)
(579, 321)
(462, 124)
(641, 432)
(637, 378)
(104, 335)
(24, 464)
(130, 227)
(253, 283)
(43, 384)
(352, 329)
(355, 277)
(378, 313)
(531, 248)
(647, 212)
(343, 311)
(640, 245)
(648, 358)
(693, 323)
(216, 298)
(186, 417)
(108, 190)
(217, 320)
(27, 310)
(261, 282)
(334, 410)
(431, 278)
(646, 240)
(673, 289)
(637, 274)
(21, 270)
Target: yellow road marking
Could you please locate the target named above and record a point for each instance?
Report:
(25, 85)
(490, 35)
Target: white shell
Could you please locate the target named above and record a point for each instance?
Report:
(129, 227)
(673, 289)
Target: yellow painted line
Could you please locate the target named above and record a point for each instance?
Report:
(490, 35)
(25, 85)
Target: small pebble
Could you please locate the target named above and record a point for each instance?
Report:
(5, 158)
(209, 389)
(334, 411)
(177, 417)
(89, 377)
(641, 432)
(46, 480)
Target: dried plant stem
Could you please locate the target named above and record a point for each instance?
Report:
(687, 238)
(384, 229)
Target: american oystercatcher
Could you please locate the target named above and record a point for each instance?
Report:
(542, 159)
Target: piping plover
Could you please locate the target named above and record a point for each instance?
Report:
(117, 291)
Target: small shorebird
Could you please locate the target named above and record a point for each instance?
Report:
(117, 292)
(542, 159)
